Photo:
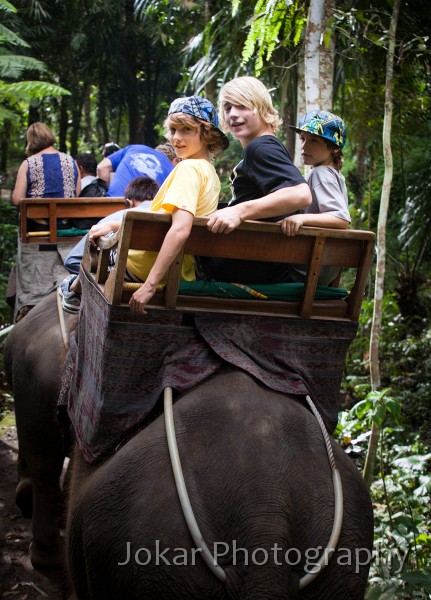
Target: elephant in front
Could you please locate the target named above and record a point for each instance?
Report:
(259, 481)
(34, 355)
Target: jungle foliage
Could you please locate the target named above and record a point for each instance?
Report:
(111, 77)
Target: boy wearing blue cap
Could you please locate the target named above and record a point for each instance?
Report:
(322, 135)
(192, 189)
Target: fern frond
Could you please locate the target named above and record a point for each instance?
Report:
(28, 90)
(7, 6)
(9, 37)
(274, 23)
(12, 65)
(9, 115)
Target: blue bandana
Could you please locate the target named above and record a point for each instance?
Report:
(201, 108)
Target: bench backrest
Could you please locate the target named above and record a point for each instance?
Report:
(62, 208)
(252, 240)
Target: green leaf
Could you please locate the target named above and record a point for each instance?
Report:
(7, 6)
(12, 66)
(413, 463)
(378, 415)
(393, 407)
(27, 90)
(9, 37)
(361, 408)
(418, 578)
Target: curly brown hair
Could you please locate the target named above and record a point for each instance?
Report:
(208, 134)
(337, 154)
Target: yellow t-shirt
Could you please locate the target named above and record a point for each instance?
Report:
(193, 186)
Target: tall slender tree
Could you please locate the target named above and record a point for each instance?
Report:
(381, 238)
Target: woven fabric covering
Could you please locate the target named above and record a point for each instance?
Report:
(39, 271)
(119, 363)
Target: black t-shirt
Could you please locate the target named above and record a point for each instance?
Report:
(265, 167)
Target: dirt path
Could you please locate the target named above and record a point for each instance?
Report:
(18, 580)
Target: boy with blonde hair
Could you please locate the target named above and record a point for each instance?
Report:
(265, 184)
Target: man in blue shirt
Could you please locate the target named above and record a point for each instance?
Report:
(130, 162)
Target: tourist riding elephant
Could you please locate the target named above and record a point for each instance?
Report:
(259, 481)
(34, 356)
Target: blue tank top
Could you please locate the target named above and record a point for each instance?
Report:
(51, 176)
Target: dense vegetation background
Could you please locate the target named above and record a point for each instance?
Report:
(106, 70)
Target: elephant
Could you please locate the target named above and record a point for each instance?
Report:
(34, 355)
(259, 481)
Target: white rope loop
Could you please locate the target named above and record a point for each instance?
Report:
(188, 511)
(182, 490)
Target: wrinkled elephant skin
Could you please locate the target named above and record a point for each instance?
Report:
(258, 476)
(34, 356)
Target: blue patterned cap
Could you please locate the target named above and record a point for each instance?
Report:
(201, 108)
(323, 124)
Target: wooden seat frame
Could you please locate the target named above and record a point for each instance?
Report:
(252, 240)
(62, 208)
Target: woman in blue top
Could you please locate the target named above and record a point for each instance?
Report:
(46, 172)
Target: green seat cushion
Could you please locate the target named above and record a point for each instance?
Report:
(71, 231)
(260, 291)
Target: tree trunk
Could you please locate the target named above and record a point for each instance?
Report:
(319, 56)
(78, 101)
(300, 104)
(102, 119)
(63, 124)
(327, 52)
(7, 128)
(132, 91)
(381, 240)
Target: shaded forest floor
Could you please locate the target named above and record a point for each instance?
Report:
(18, 579)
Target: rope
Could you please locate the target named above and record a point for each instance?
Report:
(338, 504)
(188, 511)
(62, 322)
(182, 490)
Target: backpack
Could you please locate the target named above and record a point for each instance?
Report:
(97, 188)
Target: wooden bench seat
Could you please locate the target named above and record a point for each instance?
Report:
(62, 208)
(314, 247)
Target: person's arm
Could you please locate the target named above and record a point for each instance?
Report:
(20, 189)
(78, 182)
(182, 222)
(282, 201)
(102, 229)
(291, 225)
(104, 170)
